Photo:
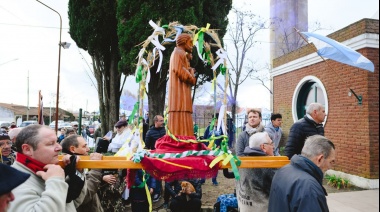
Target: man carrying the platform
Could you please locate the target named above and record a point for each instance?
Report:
(77, 145)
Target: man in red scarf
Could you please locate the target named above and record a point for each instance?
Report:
(46, 189)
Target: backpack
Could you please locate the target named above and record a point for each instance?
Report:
(229, 209)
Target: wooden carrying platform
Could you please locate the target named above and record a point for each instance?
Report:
(114, 162)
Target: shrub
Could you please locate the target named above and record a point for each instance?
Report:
(337, 182)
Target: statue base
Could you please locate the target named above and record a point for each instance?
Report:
(189, 167)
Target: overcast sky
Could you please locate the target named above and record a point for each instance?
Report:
(29, 44)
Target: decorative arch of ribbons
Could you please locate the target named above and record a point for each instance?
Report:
(151, 51)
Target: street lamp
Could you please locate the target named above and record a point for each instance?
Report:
(65, 46)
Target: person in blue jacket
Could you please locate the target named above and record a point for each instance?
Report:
(298, 185)
(138, 195)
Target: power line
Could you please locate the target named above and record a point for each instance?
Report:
(87, 71)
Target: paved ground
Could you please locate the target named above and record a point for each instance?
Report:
(354, 201)
(338, 200)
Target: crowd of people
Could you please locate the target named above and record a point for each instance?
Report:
(30, 155)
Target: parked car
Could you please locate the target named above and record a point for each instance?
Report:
(26, 123)
(52, 124)
(5, 124)
(65, 125)
(74, 123)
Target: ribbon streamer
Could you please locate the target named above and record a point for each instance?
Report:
(199, 52)
(220, 119)
(132, 116)
(202, 30)
(154, 40)
(222, 56)
(138, 72)
(159, 57)
(178, 30)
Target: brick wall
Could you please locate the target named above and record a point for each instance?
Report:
(354, 129)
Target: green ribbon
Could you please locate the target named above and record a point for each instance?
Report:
(200, 42)
(208, 58)
(132, 116)
(234, 168)
(223, 69)
(146, 176)
(212, 124)
(166, 26)
(139, 74)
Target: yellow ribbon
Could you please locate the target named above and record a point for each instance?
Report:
(211, 144)
(212, 84)
(142, 142)
(174, 164)
(203, 29)
(227, 159)
(216, 160)
(147, 192)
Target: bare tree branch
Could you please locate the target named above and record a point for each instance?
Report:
(242, 33)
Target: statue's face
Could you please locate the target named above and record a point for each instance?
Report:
(189, 46)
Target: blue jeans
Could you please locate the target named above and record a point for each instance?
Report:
(203, 180)
(158, 187)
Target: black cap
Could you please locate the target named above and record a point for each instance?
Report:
(4, 136)
(121, 123)
(10, 178)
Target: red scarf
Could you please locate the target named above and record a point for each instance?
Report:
(29, 162)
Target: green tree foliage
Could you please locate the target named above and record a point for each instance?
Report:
(93, 26)
(133, 28)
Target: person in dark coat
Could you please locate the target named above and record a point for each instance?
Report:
(310, 124)
(252, 190)
(298, 185)
(182, 201)
(153, 134)
(138, 195)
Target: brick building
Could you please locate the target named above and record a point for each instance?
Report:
(301, 77)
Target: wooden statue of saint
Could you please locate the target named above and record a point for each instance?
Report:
(181, 79)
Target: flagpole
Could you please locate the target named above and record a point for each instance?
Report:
(359, 98)
(39, 106)
(315, 49)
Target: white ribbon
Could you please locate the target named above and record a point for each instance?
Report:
(154, 36)
(145, 63)
(199, 54)
(160, 58)
(179, 30)
(154, 40)
(221, 119)
(141, 53)
(222, 56)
